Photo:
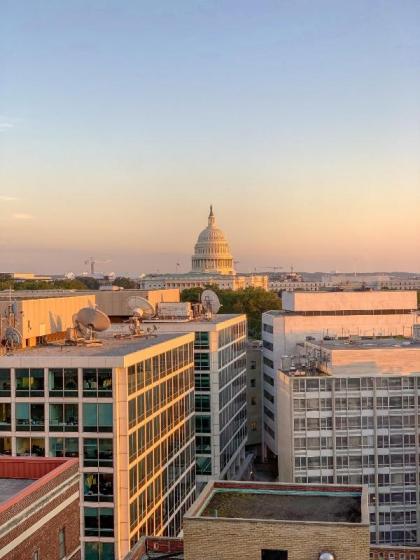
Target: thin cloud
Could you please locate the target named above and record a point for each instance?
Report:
(5, 198)
(4, 125)
(22, 216)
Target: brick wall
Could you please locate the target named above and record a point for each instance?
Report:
(208, 539)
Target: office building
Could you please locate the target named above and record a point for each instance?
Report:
(125, 407)
(325, 315)
(220, 389)
(39, 509)
(348, 411)
(254, 395)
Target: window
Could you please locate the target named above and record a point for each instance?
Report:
(201, 340)
(202, 403)
(30, 382)
(253, 383)
(273, 554)
(5, 446)
(201, 361)
(268, 345)
(203, 444)
(253, 364)
(97, 452)
(97, 382)
(99, 551)
(203, 465)
(98, 487)
(30, 446)
(99, 522)
(64, 417)
(64, 447)
(97, 417)
(61, 544)
(29, 417)
(62, 382)
(202, 424)
(5, 417)
(202, 382)
(4, 382)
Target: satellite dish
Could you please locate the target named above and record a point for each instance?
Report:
(12, 337)
(141, 307)
(210, 301)
(92, 318)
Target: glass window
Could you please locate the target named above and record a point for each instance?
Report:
(98, 487)
(62, 382)
(29, 382)
(64, 417)
(202, 403)
(201, 340)
(5, 417)
(99, 522)
(63, 447)
(30, 446)
(203, 444)
(97, 382)
(202, 382)
(29, 417)
(97, 417)
(97, 452)
(202, 424)
(99, 551)
(4, 382)
(5, 446)
(201, 361)
(203, 465)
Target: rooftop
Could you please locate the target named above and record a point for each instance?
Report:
(282, 502)
(110, 347)
(214, 319)
(367, 343)
(9, 487)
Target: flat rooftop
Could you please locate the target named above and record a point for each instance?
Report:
(326, 503)
(9, 487)
(110, 347)
(366, 343)
(284, 506)
(214, 320)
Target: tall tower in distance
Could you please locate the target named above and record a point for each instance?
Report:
(211, 252)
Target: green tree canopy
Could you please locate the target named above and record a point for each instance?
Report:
(251, 301)
(124, 282)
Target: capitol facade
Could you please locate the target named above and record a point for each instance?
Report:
(211, 252)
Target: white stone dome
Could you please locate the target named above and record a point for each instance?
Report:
(211, 252)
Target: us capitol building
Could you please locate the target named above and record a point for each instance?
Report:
(212, 263)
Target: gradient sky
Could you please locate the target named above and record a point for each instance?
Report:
(121, 121)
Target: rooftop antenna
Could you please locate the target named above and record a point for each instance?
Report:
(141, 307)
(210, 302)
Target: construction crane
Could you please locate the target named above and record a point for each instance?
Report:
(92, 262)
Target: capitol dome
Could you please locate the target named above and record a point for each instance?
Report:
(211, 252)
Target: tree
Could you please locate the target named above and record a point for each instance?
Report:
(124, 282)
(251, 301)
(89, 282)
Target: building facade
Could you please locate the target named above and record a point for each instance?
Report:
(349, 415)
(254, 394)
(126, 409)
(39, 509)
(201, 280)
(220, 392)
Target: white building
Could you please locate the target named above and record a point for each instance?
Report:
(220, 391)
(212, 264)
(323, 315)
(349, 414)
(126, 409)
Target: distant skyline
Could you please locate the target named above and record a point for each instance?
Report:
(120, 122)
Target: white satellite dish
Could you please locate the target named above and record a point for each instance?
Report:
(141, 307)
(12, 337)
(210, 301)
(92, 318)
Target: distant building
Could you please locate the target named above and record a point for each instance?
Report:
(348, 412)
(39, 509)
(266, 521)
(220, 391)
(24, 276)
(212, 263)
(125, 408)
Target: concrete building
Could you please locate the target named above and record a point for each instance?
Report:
(126, 409)
(300, 285)
(39, 509)
(220, 391)
(348, 411)
(23, 276)
(263, 521)
(254, 395)
(40, 319)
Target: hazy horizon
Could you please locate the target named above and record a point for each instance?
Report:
(120, 122)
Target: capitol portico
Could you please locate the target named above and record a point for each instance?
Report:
(211, 252)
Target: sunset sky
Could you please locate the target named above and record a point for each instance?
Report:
(121, 121)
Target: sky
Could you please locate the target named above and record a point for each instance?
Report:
(121, 121)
